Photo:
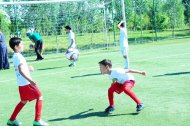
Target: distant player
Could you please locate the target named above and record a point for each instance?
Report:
(123, 42)
(123, 81)
(37, 39)
(4, 60)
(27, 86)
(71, 44)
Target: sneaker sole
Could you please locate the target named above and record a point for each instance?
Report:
(14, 124)
(139, 110)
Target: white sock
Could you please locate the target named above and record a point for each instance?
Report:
(73, 63)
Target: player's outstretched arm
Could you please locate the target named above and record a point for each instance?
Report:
(136, 71)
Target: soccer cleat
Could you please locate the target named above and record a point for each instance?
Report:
(72, 64)
(13, 123)
(40, 123)
(39, 59)
(109, 109)
(140, 107)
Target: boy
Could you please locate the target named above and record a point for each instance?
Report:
(71, 43)
(123, 42)
(122, 82)
(37, 39)
(27, 86)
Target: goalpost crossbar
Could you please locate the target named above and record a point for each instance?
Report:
(38, 2)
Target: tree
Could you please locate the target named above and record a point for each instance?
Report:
(4, 22)
(186, 4)
(174, 10)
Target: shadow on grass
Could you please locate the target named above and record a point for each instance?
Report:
(172, 74)
(87, 114)
(51, 68)
(46, 59)
(86, 75)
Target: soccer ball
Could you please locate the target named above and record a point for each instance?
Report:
(72, 54)
(31, 46)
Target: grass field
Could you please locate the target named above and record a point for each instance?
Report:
(77, 96)
(97, 40)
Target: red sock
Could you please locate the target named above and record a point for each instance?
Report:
(111, 91)
(110, 97)
(38, 110)
(128, 91)
(19, 106)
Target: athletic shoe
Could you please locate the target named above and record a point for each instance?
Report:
(140, 107)
(109, 109)
(72, 64)
(13, 123)
(40, 123)
(38, 59)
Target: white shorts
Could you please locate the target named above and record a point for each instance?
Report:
(72, 54)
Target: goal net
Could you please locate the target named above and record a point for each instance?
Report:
(90, 22)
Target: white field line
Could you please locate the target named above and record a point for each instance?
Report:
(88, 68)
(48, 74)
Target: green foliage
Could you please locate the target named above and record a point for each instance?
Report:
(186, 4)
(88, 17)
(4, 22)
(175, 12)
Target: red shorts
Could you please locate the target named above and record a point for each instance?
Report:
(29, 92)
(119, 88)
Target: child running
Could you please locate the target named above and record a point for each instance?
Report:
(27, 86)
(123, 81)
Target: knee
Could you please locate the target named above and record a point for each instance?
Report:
(24, 101)
(40, 98)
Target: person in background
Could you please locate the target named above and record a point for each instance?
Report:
(37, 39)
(4, 62)
(71, 44)
(123, 42)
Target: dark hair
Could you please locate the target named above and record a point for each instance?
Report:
(15, 41)
(106, 62)
(68, 27)
(122, 25)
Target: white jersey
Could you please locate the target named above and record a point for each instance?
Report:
(119, 75)
(71, 37)
(123, 39)
(17, 60)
